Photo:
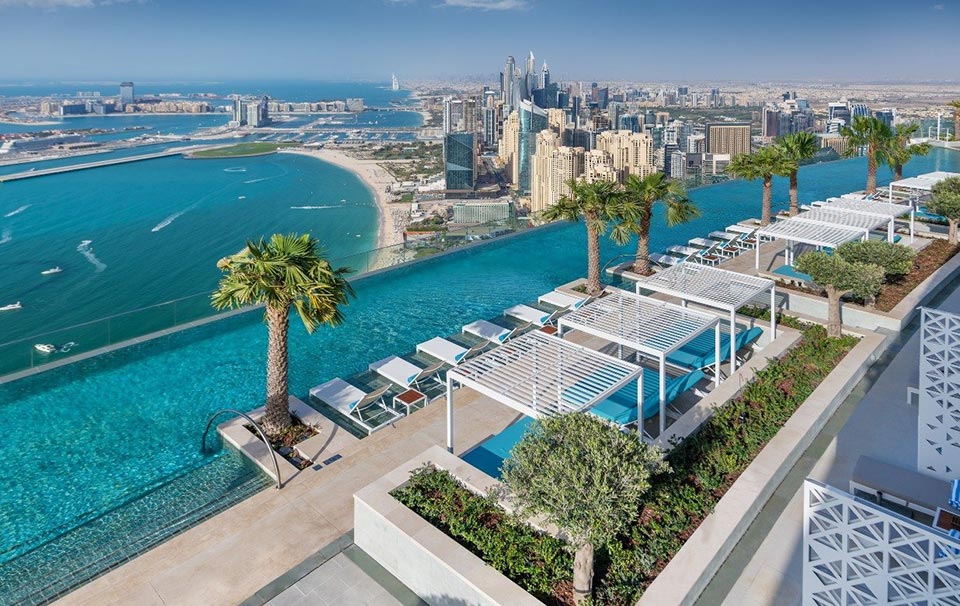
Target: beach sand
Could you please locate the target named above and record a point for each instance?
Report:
(390, 232)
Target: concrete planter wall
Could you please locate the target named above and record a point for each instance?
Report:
(872, 319)
(423, 557)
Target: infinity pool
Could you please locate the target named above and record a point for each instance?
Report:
(87, 444)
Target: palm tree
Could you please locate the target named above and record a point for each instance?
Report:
(873, 134)
(594, 202)
(284, 271)
(764, 164)
(636, 209)
(956, 119)
(901, 150)
(800, 147)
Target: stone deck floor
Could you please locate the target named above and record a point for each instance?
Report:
(766, 568)
(231, 556)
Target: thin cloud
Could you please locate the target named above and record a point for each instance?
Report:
(55, 4)
(938, 7)
(488, 5)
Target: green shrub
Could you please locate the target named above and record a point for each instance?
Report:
(535, 561)
(895, 259)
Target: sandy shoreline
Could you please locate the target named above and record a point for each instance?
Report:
(390, 231)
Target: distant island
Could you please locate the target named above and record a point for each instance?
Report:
(241, 150)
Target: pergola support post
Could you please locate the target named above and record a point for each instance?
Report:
(733, 341)
(450, 414)
(663, 394)
(773, 312)
(716, 355)
(911, 222)
(640, 405)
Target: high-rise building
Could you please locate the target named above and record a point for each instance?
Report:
(554, 167)
(532, 121)
(544, 76)
(127, 96)
(631, 153)
(770, 123)
(239, 112)
(492, 124)
(838, 111)
(727, 138)
(508, 147)
(506, 85)
(459, 115)
(888, 116)
(859, 109)
(460, 161)
(598, 166)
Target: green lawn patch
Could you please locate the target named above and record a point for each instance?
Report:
(242, 149)
(703, 468)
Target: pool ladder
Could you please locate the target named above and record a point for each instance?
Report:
(263, 436)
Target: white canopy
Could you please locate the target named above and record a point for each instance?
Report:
(807, 232)
(887, 209)
(825, 215)
(924, 182)
(650, 326)
(538, 374)
(713, 287)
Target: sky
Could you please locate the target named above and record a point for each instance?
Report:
(638, 40)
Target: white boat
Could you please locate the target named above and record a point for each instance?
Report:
(11, 306)
(52, 270)
(45, 348)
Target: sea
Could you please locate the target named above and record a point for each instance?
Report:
(133, 235)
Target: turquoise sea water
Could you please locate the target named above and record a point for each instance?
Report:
(157, 228)
(138, 412)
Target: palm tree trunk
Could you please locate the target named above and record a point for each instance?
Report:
(953, 231)
(956, 124)
(794, 198)
(871, 170)
(277, 416)
(767, 201)
(583, 573)
(593, 256)
(641, 264)
(897, 172)
(834, 325)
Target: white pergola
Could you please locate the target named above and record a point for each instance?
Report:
(717, 288)
(886, 209)
(827, 215)
(538, 375)
(921, 183)
(821, 235)
(651, 327)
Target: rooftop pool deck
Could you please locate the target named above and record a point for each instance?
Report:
(87, 443)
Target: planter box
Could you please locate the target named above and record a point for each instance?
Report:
(433, 565)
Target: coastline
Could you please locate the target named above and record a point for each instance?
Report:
(377, 180)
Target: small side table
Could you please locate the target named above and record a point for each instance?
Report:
(410, 398)
(550, 330)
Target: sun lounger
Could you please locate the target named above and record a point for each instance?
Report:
(736, 228)
(722, 236)
(661, 259)
(405, 373)
(710, 256)
(564, 300)
(700, 352)
(492, 332)
(448, 351)
(702, 242)
(353, 402)
(532, 315)
(788, 272)
(621, 407)
(685, 251)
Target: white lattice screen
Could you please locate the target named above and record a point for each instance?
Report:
(857, 553)
(938, 427)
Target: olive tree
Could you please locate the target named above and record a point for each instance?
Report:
(895, 259)
(946, 202)
(838, 277)
(585, 476)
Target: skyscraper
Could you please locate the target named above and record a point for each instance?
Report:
(554, 166)
(532, 120)
(859, 109)
(507, 84)
(126, 94)
(529, 77)
(728, 138)
(508, 146)
(459, 158)
(888, 116)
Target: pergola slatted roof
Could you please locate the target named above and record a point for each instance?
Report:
(711, 286)
(829, 217)
(648, 325)
(886, 209)
(924, 182)
(815, 234)
(541, 375)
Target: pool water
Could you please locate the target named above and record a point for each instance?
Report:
(100, 434)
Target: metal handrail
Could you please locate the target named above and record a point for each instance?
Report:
(263, 436)
(614, 259)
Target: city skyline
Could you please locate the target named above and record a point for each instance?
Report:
(173, 40)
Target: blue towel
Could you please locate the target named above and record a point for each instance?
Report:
(621, 407)
(955, 494)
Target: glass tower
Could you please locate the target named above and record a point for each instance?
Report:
(459, 161)
(532, 121)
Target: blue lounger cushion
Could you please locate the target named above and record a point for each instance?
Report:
(789, 272)
(488, 456)
(621, 407)
(700, 351)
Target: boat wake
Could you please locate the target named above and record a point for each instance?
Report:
(85, 250)
(258, 180)
(235, 169)
(167, 221)
(314, 207)
(17, 211)
(5, 236)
